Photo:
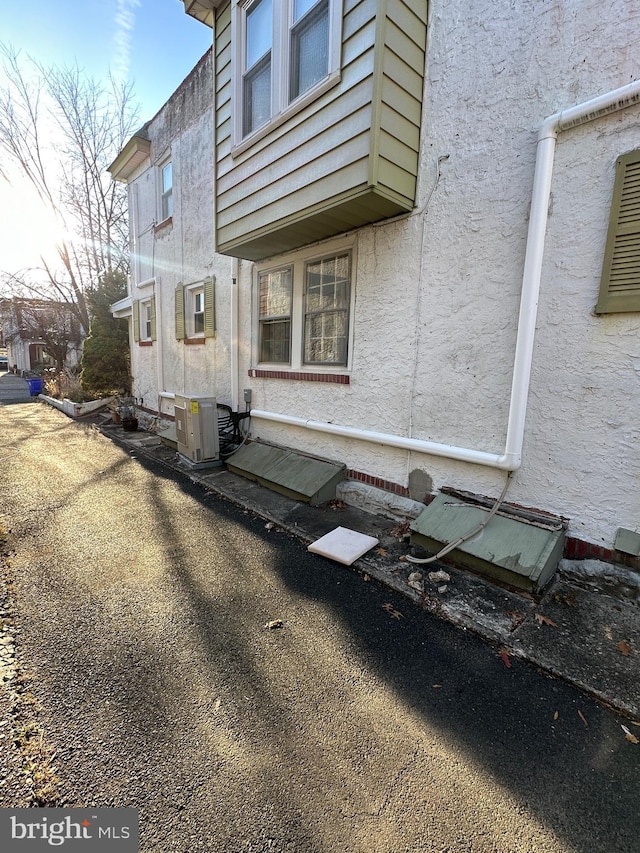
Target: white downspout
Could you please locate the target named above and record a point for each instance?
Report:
(235, 342)
(511, 458)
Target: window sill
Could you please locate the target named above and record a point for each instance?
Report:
(297, 106)
(145, 343)
(335, 378)
(193, 341)
(162, 225)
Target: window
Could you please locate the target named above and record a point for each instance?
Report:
(144, 320)
(304, 309)
(275, 316)
(195, 311)
(326, 311)
(620, 282)
(288, 49)
(166, 200)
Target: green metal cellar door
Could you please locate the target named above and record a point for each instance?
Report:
(515, 552)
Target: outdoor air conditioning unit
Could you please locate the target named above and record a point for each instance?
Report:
(197, 429)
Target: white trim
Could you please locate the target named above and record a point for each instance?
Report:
(297, 261)
(281, 109)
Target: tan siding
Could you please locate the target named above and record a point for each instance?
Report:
(405, 47)
(310, 176)
(274, 193)
(302, 146)
(396, 125)
(401, 101)
(404, 76)
(394, 177)
(399, 153)
(410, 18)
(352, 176)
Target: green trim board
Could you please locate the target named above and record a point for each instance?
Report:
(288, 472)
(517, 553)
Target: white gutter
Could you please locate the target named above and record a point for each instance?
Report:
(511, 458)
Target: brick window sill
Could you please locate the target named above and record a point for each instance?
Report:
(145, 343)
(334, 378)
(194, 341)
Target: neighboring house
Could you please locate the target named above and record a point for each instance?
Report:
(40, 334)
(434, 243)
(179, 341)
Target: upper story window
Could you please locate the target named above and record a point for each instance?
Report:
(289, 49)
(166, 198)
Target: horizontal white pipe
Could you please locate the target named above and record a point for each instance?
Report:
(431, 447)
(511, 459)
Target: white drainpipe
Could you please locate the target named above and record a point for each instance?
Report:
(511, 458)
(235, 342)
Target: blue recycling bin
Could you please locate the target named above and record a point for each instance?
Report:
(35, 386)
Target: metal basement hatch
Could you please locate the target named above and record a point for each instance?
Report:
(516, 552)
(303, 478)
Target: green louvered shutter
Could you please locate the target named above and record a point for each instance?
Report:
(136, 320)
(209, 308)
(153, 318)
(620, 283)
(179, 302)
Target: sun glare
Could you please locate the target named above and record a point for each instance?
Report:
(28, 231)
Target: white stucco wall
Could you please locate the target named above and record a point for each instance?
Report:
(179, 252)
(437, 294)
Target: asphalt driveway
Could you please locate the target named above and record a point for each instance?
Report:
(361, 724)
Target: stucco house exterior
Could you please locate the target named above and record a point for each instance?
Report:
(422, 221)
(179, 341)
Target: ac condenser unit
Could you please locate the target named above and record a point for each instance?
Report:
(197, 428)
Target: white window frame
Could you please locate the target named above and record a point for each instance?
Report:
(146, 319)
(297, 262)
(166, 196)
(281, 108)
(193, 293)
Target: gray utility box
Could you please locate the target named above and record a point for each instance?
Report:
(516, 552)
(197, 428)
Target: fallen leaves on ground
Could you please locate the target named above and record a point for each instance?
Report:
(583, 718)
(275, 623)
(436, 686)
(505, 658)
(400, 530)
(382, 552)
(337, 504)
(395, 614)
(629, 736)
(624, 648)
(567, 598)
(556, 715)
(544, 620)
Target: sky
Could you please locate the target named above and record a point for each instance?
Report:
(152, 43)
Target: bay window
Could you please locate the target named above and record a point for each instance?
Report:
(287, 49)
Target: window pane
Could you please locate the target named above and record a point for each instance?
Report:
(301, 7)
(275, 311)
(326, 323)
(198, 324)
(257, 96)
(259, 32)
(275, 293)
(325, 338)
(275, 341)
(167, 178)
(309, 51)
